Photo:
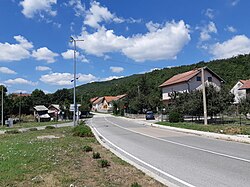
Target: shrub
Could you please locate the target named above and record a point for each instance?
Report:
(82, 131)
(33, 129)
(103, 163)
(96, 155)
(135, 184)
(87, 148)
(49, 127)
(12, 132)
(175, 117)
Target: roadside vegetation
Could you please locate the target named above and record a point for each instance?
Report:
(54, 157)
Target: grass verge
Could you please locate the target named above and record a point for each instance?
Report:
(54, 157)
(223, 129)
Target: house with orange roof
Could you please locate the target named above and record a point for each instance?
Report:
(189, 81)
(239, 91)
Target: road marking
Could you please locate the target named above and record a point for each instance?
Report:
(180, 144)
(143, 162)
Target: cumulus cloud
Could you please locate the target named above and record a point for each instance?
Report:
(31, 7)
(239, 44)
(166, 41)
(20, 81)
(15, 52)
(97, 14)
(6, 70)
(20, 91)
(110, 78)
(69, 54)
(78, 7)
(209, 13)
(207, 30)
(231, 29)
(43, 68)
(44, 54)
(64, 79)
(116, 69)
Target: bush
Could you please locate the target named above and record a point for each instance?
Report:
(103, 163)
(135, 184)
(87, 148)
(175, 117)
(12, 132)
(49, 127)
(82, 131)
(96, 155)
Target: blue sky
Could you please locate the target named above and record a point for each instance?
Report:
(121, 38)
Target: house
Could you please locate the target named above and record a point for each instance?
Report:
(189, 81)
(54, 111)
(238, 92)
(41, 113)
(246, 87)
(97, 104)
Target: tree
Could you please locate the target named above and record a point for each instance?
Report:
(39, 98)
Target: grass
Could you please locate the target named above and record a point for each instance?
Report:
(224, 129)
(33, 124)
(28, 160)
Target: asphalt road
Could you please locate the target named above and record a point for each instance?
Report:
(181, 159)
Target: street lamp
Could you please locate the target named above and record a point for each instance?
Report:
(2, 106)
(75, 106)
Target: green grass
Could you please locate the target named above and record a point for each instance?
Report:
(26, 160)
(224, 129)
(33, 124)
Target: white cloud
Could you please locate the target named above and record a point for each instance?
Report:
(235, 2)
(7, 70)
(97, 14)
(64, 79)
(43, 68)
(69, 54)
(116, 69)
(152, 27)
(33, 7)
(20, 91)
(15, 52)
(110, 78)
(207, 30)
(209, 13)
(231, 29)
(20, 81)
(166, 42)
(44, 54)
(78, 7)
(239, 44)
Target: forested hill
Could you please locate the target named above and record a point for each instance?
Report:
(231, 70)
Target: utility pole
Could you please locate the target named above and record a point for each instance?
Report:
(20, 107)
(2, 106)
(75, 105)
(204, 95)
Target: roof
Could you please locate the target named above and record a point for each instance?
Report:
(99, 100)
(40, 108)
(121, 96)
(186, 76)
(110, 98)
(93, 99)
(242, 81)
(21, 94)
(55, 106)
(245, 86)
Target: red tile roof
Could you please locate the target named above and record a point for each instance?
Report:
(243, 81)
(110, 98)
(99, 100)
(182, 77)
(245, 86)
(93, 99)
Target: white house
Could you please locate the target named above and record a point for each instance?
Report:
(189, 81)
(238, 93)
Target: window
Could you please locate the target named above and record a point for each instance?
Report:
(198, 78)
(209, 79)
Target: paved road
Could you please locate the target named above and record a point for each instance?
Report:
(182, 159)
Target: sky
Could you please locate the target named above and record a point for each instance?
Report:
(120, 38)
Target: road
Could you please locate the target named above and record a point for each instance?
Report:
(179, 158)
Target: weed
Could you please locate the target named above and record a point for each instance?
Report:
(12, 132)
(135, 184)
(82, 131)
(33, 129)
(49, 127)
(103, 163)
(96, 155)
(87, 148)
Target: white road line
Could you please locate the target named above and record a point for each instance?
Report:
(141, 161)
(180, 144)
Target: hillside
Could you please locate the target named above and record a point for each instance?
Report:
(231, 70)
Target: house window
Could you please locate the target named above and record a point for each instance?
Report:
(209, 79)
(198, 78)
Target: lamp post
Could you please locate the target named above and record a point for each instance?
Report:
(2, 106)
(75, 106)
(20, 107)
